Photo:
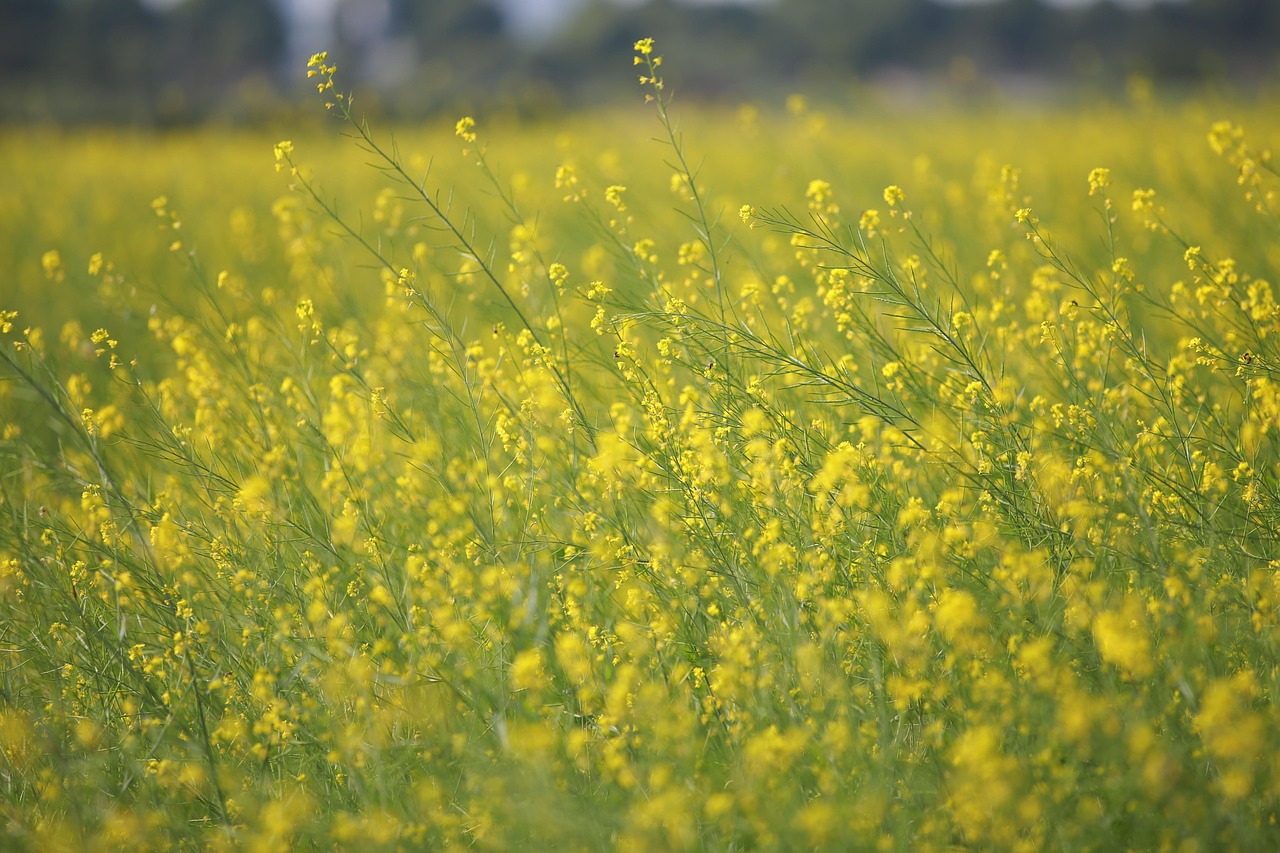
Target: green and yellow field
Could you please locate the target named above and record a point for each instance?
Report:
(664, 478)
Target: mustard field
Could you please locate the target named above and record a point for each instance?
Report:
(795, 476)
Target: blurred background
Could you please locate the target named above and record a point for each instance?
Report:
(180, 62)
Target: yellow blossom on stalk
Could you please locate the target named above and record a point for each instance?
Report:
(983, 783)
(465, 129)
(818, 192)
(567, 179)
(526, 670)
(1099, 180)
(283, 151)
(52, 263)
(104, 342)
(644, 51)
(613, 195)
(1234, 734)
(317, 66)
(254, 493)
(957, 614)
(558, 274)
(818, 821)
(869, 221)
(1123, 640)
(680, 186)
(1120, 266)
(1225, 136)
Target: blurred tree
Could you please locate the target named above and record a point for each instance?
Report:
(462, 48)
(207, 48)
(441, 24)
(110, 60)
(95, 62)
(103, 44)
(210, 43)
(120, 60)
(26, 30)
(1227, 34)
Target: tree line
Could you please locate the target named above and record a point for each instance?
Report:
(123, 61)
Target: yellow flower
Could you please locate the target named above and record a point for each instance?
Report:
(526, 670)
(558, 274)
(818, 191)
(1099, 180)
(613, 195)
(869, 221)
(1224, 136)
(1123, 640)
(52, 263)
(465, 129)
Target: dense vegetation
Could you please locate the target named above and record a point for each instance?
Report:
(534, 498)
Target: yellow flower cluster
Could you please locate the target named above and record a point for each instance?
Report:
(538, 514)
